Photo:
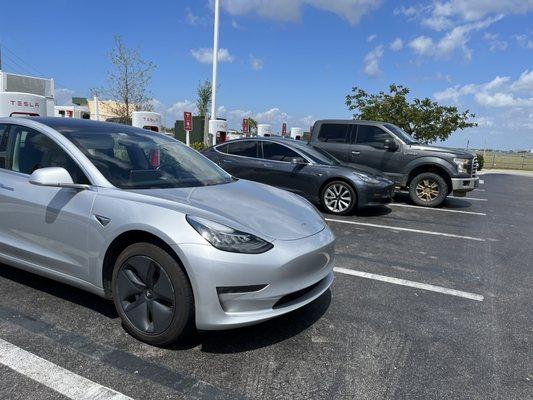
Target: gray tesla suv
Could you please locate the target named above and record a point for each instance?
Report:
(138, 217)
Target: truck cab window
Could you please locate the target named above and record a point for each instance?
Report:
(373, 136)
(334, 133)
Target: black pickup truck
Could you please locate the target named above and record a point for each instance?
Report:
(430, 173)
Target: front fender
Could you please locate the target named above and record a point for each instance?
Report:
(430, 161)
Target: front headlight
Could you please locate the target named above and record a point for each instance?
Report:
(366, 178)
(225, 238)
(462, 164)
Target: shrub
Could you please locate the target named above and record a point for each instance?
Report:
(481, 161)
(199, 146)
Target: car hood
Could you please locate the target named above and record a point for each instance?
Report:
(436, 149)
(255, 208)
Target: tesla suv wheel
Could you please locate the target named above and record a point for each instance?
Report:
(338, 198)
(152, 295)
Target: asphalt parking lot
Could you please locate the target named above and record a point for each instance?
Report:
(427, 304)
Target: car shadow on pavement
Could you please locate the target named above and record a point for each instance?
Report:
(60, 290)
(267, 333)
(450, 203)
(378, 211)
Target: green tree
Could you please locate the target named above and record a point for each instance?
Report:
(425, 119)
(252, 126)
(203, 101)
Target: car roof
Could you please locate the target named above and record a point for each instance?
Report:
(62, 124)
(272, 139)
(351, 121)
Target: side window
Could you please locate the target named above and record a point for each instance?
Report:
(3, 145)
(373, 136)
(31, 150)
(334, 133)
(244, 148)
(278, 152)
(223, 148)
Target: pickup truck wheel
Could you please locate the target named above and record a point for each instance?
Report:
(152, 295)
(428, 189)
(338, 198)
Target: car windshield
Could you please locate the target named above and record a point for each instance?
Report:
(404, 136)
(319, 156)
(133, 159)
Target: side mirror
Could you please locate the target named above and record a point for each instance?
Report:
(390, 145)
(298, 160)
(54, 177)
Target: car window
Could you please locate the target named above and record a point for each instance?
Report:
(369, 135)
(222, 148)
(246, 148)
(334, 133)
(3, 145)
(31, 150)
(278, 152)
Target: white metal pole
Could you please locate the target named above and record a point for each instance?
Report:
(215, 68)
(96, 108)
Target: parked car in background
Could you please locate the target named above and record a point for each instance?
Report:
(303, 169)
(430, 173)
(143, 219)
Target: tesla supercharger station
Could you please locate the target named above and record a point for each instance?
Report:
(220, 128)
(264, 130)
(146, 120)
(22, 95)
(296, 133)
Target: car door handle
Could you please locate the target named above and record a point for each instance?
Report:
(227, 161)
(356, 153)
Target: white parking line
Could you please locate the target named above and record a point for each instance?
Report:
(396, 228)
(467, 198)
(404, 282)
(436, 209)
(480, 190)
(53, 376)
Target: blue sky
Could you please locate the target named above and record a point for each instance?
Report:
(294, 61)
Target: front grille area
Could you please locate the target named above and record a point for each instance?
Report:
(291, 297)
(475, 166)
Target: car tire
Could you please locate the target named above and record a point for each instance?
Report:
(428, 189)
(338, 198)
(152, 295)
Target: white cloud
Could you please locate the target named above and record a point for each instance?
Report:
(371, 38)
(473, 10)
(396, 44)
(495, 43)
(63, 97)
(290, 10)
(500, 92)
(191, 18)
(371, 62)
(256, 63)
(307, 121)
(453, 41)
(524, 41)
(410, 11)
(422, 45)
(273, 115)
(204, 55)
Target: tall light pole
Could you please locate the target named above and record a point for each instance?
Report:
(212, 125)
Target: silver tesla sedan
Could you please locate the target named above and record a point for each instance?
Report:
(138, 217)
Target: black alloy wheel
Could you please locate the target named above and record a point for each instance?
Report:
(152, 295)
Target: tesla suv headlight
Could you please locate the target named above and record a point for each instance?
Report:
(462, 164)
(366, 178)
(225, 238)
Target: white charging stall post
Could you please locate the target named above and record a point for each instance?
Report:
(213, 122)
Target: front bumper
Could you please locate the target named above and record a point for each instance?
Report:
(375, 195)
(463, 185)
(233, 290)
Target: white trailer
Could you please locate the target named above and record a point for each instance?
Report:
(146, 120)
(22, 95)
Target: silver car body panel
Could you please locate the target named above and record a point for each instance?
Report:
(55, 232)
